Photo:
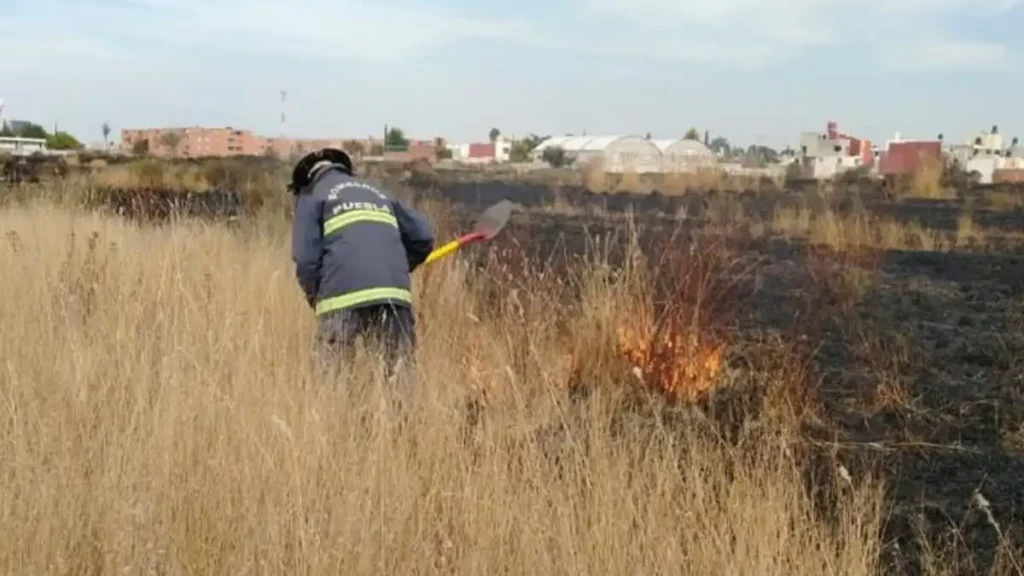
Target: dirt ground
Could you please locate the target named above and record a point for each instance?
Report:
(921, 354)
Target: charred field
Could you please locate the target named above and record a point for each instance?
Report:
(911, 313)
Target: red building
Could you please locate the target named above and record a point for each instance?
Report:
(481, 151)
(907, 157)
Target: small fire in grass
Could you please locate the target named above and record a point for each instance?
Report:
(674, 359)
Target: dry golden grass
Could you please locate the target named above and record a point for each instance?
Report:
(163, 413)
(596, 179)
(926, 182)
(152, 174)
(711, 178)
(1007, 200)
(861, 230)
(629, 181)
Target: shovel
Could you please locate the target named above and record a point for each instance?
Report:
(488, 224)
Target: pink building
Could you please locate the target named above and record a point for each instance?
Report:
(199, 142)
(194, 142)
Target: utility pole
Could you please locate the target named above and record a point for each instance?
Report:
(284, 99)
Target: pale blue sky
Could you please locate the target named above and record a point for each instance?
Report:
(751, 70)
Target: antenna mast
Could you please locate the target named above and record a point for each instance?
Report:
(284, 100)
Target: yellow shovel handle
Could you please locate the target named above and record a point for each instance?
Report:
(443, 251)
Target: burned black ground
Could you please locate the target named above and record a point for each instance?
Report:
(920, 354)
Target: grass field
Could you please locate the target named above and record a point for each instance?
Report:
(163, 413)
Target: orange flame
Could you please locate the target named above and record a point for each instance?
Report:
(679, 363)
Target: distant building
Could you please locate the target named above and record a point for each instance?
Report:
(458, 151)
(474, 152)
(987, 154)
(684, 155)
(503, 149)
(481, 152)
(829, 153)
(199, 142)
(987, 143)
(903, 157)
(17, 146)
(616, 154)
(488, 152)
(1008, 175)
(193, 142)
(633, 153)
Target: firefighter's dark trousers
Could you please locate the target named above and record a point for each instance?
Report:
(385, 327)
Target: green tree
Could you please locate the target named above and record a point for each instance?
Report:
(171, 140)
(520, 151)
(691, 134)
(534, 140)
(522, 148)
(760, 155)
(141, 148)
(106, 135)
(5, 130)
(395, 140)
(555, 156)
(63, 141)
(494, 134)
(31, 130)
(720, 145)
(441, 151)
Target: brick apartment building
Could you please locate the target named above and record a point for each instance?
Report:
(199, 142)
(193, 142)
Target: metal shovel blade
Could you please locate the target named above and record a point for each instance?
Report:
(492, 220)
(488, 224)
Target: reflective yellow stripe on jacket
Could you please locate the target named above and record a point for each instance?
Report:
(361, 297)
(346, 218)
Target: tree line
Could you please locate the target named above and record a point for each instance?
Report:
(395, 140)
(58, 140)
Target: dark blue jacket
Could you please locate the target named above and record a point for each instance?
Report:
(353, 245)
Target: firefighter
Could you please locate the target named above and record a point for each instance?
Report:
(354, 247)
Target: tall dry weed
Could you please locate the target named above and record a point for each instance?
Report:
(926, 181)
(629, 181)
(595, 179)
(860, 230)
